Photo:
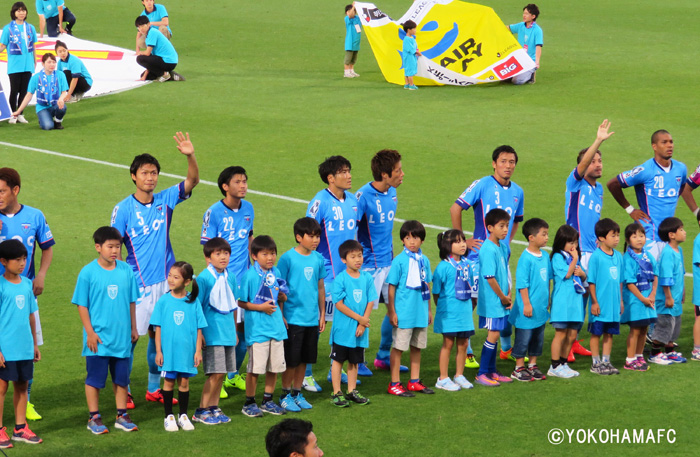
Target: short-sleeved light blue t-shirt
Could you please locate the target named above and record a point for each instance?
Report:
(221, 328)
(408, 56)
(528, 37)
(451, 314)
(671, 272)
(159, 12)
(355, 293)
(19, 63)
(411, 309)
(161, 46)
(17, 303)
(302, 273)
(261, 327)
(635, 310)
(76, 67)
(61, 82)
(567, 304)
(533, 273)
(493, 263)
(107, 295)
(48, 8)
(352, 36)
(178, 321)
(605, 271)
(696, 271)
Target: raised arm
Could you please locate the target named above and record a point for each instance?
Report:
(601, 136)
(185, 146)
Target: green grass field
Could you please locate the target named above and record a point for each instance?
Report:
(265, 90)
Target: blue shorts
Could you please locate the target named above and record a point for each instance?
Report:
(493, 323)
(463, 334)
(567, 325)
(641, 322)
(97, 367)
(17, 371)
(528, 341)
(175, 375)
(598, 328)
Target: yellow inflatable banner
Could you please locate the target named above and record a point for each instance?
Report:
(462, 43)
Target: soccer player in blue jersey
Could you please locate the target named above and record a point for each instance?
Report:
(231, 218)
(144, 219)
(658, 183)
(28, 225)
(377, 202)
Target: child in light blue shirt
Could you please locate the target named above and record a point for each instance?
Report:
(353, 31)
(409, 54)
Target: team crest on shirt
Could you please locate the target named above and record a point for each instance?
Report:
(515, 200)
(159, 208)
(112, 291)
(357, 295)
(308, 273)
(678, 179)
(26, 228)
(354, 208)
(543, 274)
(246, 218)
(314, 208)
(179, 317)
(613, 272)
(19, 299)
(633, 172)
(269, 279)
(358, 195)
(394, 198)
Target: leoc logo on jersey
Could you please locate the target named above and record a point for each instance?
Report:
(543, 274)
(314, 208)
(633, 172)
(19, 299)
(26, 228)
(179, 317)
(357, 295)
(308, 273)
(613, 272)
(112, 291)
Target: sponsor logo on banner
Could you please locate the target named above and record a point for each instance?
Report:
(508, 68)
(112, 291)
(179, 317)
(357, 295)
(308, 273)
(19, 299)
(372, 14)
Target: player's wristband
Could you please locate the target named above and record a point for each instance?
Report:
(629, 209)
(697, 210)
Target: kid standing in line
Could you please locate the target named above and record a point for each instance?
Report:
(354, 296)
(77, 75)
(106, 295)
(452, 293)
(19, 39)
(671, 295)
(353, 29)
(605, 272)
(566, 310)
(18, 343)
(494, 294)
(529, 315)
(409, 308)
(696, 298)
(409, 54)
(178, 321)
(640, 283)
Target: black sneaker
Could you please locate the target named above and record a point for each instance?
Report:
(339, 400)
(536, 374)
(521, 374)
(58, 125)
(357, 397)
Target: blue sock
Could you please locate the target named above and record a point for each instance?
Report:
(29, 390)
(505, 338)
(241, 350)
(470, 351)
(488, 350)
(153, 370)
(414, 380)
(385, 340)
(492, 361)
(308, 370)
(232, 375)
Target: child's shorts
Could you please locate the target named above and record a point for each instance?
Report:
(495, 324)
(17, 371)
(97, 367)
(465, 334)
(266, 357)
(667, 328)
(219, 359)
(528, 341)
(597, 328)
(341, 353)
(175, 375)
(568, 325)
(406, 337)
(380, 275)
(301, 345)
(350, 57)
(641, 323)
(697, 311)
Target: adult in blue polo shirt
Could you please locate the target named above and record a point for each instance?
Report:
(158, 16)
(160, 58)
(530, 38)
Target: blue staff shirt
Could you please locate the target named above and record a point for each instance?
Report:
(352, 36)
(48, 8)
(161, 46)
(76, 67)
(159, 12)
(19, 63)
(528, 37)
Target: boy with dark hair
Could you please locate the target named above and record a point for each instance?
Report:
(605, 274)
(304, 269)
(530, 314)
(409, 54)
(353, 31)
(216, 292)
(670, 295)
(353, 296)
(292, 438)
(409, 308)
(106, 295)
(18, 341)
(160, 58)
(530, 38)
(158, 17)
(262, 291)
(494, 296)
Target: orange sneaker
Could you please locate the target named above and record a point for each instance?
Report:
(579, 349)
(157, 396)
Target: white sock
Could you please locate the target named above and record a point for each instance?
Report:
(639, 355)
(630, 359)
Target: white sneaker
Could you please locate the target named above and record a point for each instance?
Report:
(568, 370)
(22, 120)
(170, 424)
(355, 75)
(13, 120)
(447, 384)
(462, 382)
(184, 422)
(660, 359)
(348, 75)
(165, 77)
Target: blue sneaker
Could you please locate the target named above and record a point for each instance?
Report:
(96, 426)
(301, 402)
(675, 357)
(252, 410)
(343, 378)
(124, 422)
(220, 416)
(362, 370)
(289, 404)
(205, 417)
(272, 408)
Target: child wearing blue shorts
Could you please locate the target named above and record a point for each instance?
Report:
(106, 294)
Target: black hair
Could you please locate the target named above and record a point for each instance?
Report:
(307, 226)
(332, 165)
(227, 174)
(262, 243)
(349, 246)
(11, 177)
(60, 44)
(504, 149)
(141, 160)
(630, 230)
(12, 249)
(215, 244)
(287, 436)
(106, 233)
(48, 56)
(605, 226)
(565, 234)
(141, 20)
(655, 135)
(187, 273)
(495, 216)
(446, 239)
(408, 25)
(384, 162)
(16, 7)
(348, 8)
(533, 9)
(582, 152)
(532, 227)
(414, 228)
(669, 225)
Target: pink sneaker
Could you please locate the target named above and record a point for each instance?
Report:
(381, 364)
(498, 377)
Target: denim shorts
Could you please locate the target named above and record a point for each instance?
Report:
(528, 341)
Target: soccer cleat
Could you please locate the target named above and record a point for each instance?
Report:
(289, 404)
(125, 423)
(498, 377)
(272, 408)
(675, 357)
(507, 355)
(462, 382)
(177, 76)
(310, 384)
(343, 377)
(417, 386)
(238, 382)
(660, 359)
(521, 374)
(447, 384)
(220, 416)
(381, 364)
(536, 374)
(252, 410)
(26, 436)
(157, 396)
(130, 401)
(485, 380)
(170, 424)
(164, 77)
(302, 402)
(96, 426)
(12, 120)
(579, 349)
(5, 442)
(184, 423)
(400, 391)
(223, 393)
(339, 400)
(206, 417)
(471, 362)
(571, 358)
(22, 120)
(32, 415)
(357, 397)
(599, 368)
(362, 370)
